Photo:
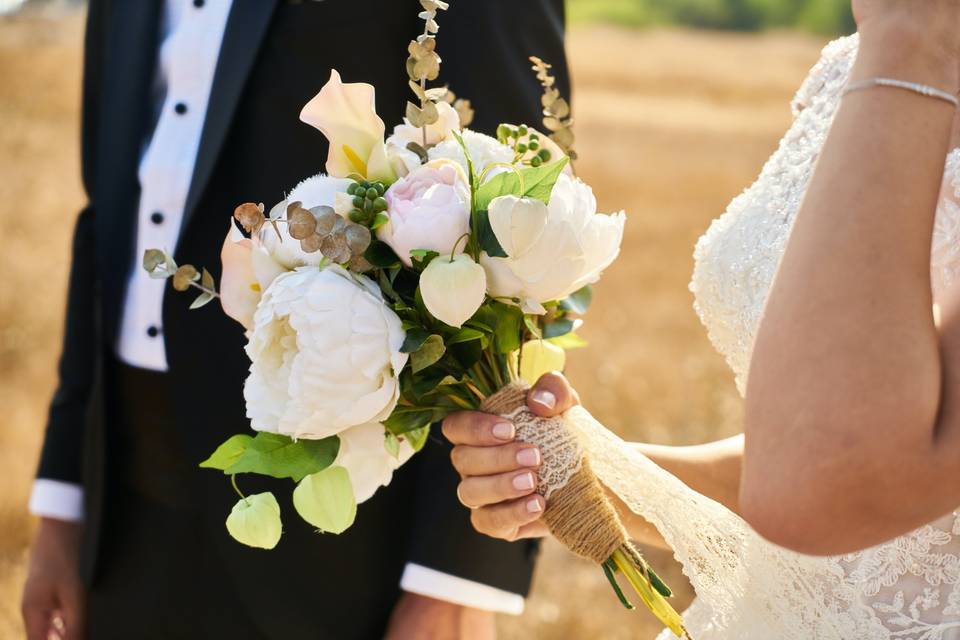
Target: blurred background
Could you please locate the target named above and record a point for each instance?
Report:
(678, 104)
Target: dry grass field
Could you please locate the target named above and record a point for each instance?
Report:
(671, 124)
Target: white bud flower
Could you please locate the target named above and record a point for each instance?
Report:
(453, 288)
(255, 521)
(539, 357)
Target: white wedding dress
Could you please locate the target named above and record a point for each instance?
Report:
(747, 588)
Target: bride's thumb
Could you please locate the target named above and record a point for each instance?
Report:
(552, 395)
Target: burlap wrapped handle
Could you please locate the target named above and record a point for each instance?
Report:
(579, 514)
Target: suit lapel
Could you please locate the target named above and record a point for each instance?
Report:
(246, 26)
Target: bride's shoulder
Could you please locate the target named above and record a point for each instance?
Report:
(829, 74)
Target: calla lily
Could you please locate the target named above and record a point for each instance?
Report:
(247, 271)
(255, 521)
(539, 357)
(346, 115)
(453, 288)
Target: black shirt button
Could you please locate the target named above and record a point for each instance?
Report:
(153, 332)
(180, 108)
(198, 3)
(156, 217)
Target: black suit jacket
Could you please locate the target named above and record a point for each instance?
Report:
(275, 56)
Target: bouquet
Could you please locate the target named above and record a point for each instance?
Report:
(427, 272)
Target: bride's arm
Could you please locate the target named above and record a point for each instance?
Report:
(842, 447)
(489, 461)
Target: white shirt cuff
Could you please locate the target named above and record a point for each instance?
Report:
(443, 586)
(57, 499)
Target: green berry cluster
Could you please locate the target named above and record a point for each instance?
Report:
(525, 143)
(368, 201)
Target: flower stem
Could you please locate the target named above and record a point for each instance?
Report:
(233, 481)
(204, 289)
(640, 582)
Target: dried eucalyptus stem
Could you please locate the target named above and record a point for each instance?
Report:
(556, 110)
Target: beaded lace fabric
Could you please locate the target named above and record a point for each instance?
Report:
(747, 588)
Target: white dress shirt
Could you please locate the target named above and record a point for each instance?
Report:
(192, 31)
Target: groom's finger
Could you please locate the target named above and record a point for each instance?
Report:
(478, 429)
(480, 491)
(511, 520)
(485, 461)
(552, 395)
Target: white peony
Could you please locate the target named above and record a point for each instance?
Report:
(365, 457)
(484, 152)
(428, 209)
(312, 192)
(325, 354)
(552, 249)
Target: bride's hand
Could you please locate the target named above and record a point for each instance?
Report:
(499, 475)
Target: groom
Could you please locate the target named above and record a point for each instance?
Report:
(190, 107)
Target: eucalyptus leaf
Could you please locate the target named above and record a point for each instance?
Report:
(207, 281)
(558, 328)
(202, 300)
(537, 183)
(275, 455)
(569, 341)
(325, 499)
(429, 353)
(579, 301)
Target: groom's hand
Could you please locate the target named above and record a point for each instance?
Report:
(424, 618)
(499, 475)
(53, 597)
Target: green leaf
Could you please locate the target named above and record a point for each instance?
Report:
(429, 352)
(422, 257)
(379, 220)
(508, 327)
(414, 340)
(486, 238)
(417, 437)
(392, 444)
(569, 341)
(228, 453)
(579, 301)
(271, 454)
(537, 183)
(532, 327)
(406, 419)
(325, 500)
(379, 254)
(465, 335)
(558, 328)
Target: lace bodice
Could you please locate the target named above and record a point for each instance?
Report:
(909, 588)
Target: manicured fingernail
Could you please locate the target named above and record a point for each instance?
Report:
(503, 431)
(533, 506)
(529, 457)
(545, 398)
(523, 482)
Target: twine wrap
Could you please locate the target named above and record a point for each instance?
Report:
(578, 512)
